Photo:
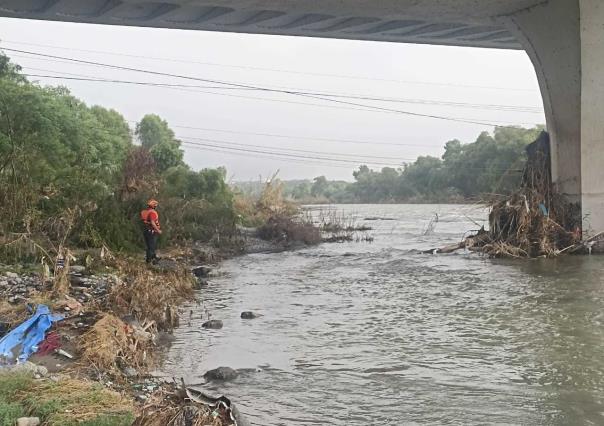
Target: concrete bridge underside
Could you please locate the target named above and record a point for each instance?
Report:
(563, 38)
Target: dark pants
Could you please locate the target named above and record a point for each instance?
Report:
(151, 244)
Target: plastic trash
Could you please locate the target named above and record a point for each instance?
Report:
(50, 344)
(27, 335)
(222, 406)
(64, 353)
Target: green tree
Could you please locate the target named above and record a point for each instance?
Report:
(301, 191)
(55, 152)
(155, 135)
(153, 130)
(167, 155)
(319, 186)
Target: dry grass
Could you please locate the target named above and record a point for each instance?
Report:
(111, 344)
(78, 401)
(16, 314)
(62, 402)
(152, 295)
(270, 203)
(61, 284)
(12, 314)
(187, 415)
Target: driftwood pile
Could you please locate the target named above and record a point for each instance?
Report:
(534, 221)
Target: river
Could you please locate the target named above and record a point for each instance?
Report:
(379, 334)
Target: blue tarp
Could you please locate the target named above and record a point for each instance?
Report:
(27, 335)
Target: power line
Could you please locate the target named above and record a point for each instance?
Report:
(272, 157)
(265, 89)
(368, 108)
(498, 107)
(320, 163)
(310, 138)
(357, 162)
(357, 156)
(495, 107)
(247, 67)
(142, 83)
(316, 160)
(288, 155)
(282, 136)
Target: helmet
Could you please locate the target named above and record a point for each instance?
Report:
(152, 203)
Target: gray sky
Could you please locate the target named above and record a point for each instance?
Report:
(467, 76)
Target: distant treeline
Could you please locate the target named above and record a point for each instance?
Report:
(491, 164)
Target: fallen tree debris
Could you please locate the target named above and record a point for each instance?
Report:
(535, 221)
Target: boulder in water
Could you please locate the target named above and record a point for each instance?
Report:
(221, 373)
(201, 271)
(214, 324)
(248, 315)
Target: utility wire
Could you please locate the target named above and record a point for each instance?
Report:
(260, 151)
(356, 156)
(142, 83)
(282, 136)
(310, 138)
(247, 67)
(367, 108)
(235, 151)
(265, 89)
(357, 162)
(495, 107)
(271, 157)
(315, 160)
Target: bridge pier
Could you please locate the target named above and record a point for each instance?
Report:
(565, 41)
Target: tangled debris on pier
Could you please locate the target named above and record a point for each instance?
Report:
(535, 221)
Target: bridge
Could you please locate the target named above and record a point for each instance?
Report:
(563, 38)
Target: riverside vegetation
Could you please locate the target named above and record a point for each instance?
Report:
(73, 179)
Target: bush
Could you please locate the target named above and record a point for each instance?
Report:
(198, 220)
(115, 223)
(285, 229)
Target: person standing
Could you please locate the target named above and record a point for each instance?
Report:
(152, 230)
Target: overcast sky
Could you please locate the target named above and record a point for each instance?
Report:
(317, 132)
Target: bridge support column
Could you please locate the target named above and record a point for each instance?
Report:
(565, 41)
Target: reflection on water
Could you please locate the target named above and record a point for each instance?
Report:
(359, 334)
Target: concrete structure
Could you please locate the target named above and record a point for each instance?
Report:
(564, 39)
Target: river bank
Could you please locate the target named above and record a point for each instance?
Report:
(94, 365)
(106, 319)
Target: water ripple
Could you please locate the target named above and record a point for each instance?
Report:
(358, 334)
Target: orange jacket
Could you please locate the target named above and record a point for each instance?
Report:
(149, 216)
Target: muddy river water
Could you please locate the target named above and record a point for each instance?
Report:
(380, 334)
